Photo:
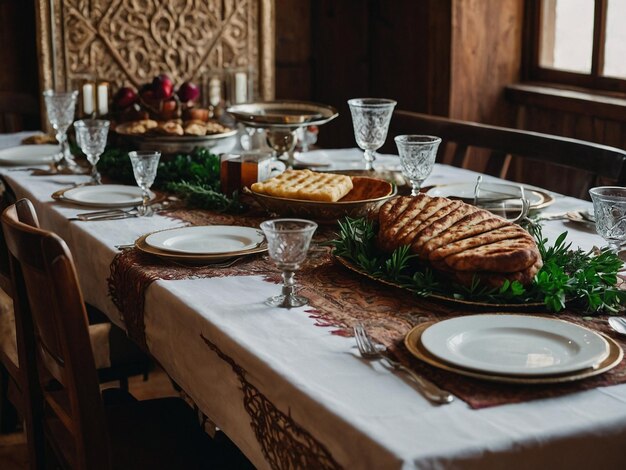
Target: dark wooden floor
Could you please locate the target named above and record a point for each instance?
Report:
(13, 453)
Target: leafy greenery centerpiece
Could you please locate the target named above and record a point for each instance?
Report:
(195, 178)
(585, 280)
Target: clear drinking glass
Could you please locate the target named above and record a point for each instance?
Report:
(145, 164)
(370, 119)
(60, 107)
(288, 242)
(417, 157)
(609, 206)
(91, 136)
(507, 200)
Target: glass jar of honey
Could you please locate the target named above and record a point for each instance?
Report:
(244, 169)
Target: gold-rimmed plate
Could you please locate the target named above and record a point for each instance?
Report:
(141, 245)
(365, 198)
(413, 343)
(538, 198)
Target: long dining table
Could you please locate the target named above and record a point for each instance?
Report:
(291, 394)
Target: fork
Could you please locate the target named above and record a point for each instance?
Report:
(369, 350)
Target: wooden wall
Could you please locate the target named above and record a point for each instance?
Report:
(18, 50)
(394, 49)
(433, 56)
(486, 54)
(486, 57)
(570, 114)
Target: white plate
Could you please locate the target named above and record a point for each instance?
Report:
(515, 344)
(29, 155)
(465, 192)
(319, 158)
(203, 240)
(105, 195)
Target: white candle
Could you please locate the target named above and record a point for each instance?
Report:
(215, 91)
(103, 99)
(241, 87)
(88, 98)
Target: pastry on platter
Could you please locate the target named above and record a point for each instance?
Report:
(307, 185)
(459, 239)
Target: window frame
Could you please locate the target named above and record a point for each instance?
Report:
(532, 41)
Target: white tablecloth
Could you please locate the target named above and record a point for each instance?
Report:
(366, 416)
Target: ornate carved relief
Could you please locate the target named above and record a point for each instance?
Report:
(130, 41)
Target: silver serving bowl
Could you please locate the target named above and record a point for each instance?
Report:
(289, 114)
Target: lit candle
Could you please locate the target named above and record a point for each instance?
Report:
(88, 98)
(103, 99)
(241, 87)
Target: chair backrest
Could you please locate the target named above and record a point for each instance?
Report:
(18, 111)
(598, 160)
(49, 307)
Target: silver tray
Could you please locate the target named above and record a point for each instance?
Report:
(178, 144)
(290, 114)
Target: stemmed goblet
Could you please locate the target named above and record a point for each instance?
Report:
(370, 119)
(60, 107)
(609, 207)
(145, 164)
(91, 135)
(417, 157)
(288, 242)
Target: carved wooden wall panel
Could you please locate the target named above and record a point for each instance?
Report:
(131, 41)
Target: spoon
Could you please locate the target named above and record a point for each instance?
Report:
(618, 324)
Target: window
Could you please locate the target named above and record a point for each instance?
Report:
(577, 42)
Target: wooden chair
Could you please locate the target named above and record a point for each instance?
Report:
(65, 408)
(18, 111)
(599, 161)
(117, 357)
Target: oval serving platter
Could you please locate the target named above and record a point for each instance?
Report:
(449, 299)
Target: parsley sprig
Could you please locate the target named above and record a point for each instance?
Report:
(585, 281)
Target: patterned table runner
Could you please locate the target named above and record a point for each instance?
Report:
(339, 299)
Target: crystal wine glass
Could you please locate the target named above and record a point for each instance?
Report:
(609, 206)
(417, 157)
(283, 141)
(288, 242)
(60, 107)
(370, 119)
(91, 135)
(145, 164)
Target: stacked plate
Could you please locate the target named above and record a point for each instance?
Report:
(102, 195)
(514, 348)
(29, 155)
(203, 244)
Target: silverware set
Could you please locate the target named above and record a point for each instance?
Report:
(373, 351)
(580, 216)
(115, 214)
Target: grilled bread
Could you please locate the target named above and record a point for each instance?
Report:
(306, 184)
(459, 239)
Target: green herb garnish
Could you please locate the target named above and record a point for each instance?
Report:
(584, 280)
(195, 178)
